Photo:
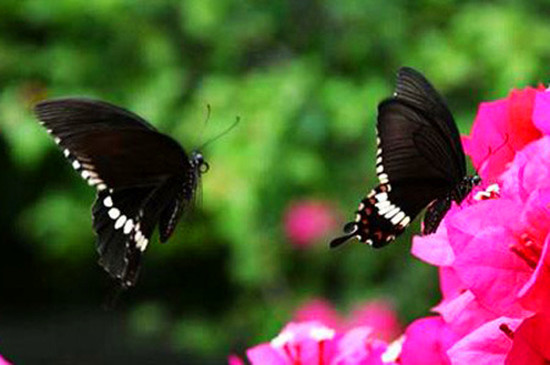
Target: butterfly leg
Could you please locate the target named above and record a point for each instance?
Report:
(435, 213)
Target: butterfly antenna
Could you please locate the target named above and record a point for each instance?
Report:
(206, 119)
(237, 121)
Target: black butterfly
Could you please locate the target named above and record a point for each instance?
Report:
(143, 178)
(420, 162)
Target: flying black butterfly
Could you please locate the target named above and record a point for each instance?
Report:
(143, 178)
(420, 162)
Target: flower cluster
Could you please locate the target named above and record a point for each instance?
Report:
(319, 335)
(3, 361)
(493, 250)
(307, 221)
(493, 255)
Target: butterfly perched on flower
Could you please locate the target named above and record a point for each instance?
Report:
(420, 163)
(143, 178)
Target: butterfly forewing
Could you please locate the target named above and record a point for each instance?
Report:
(141, 175)
(415, 90)
(419, 160)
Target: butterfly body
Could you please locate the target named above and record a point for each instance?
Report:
(419, 162)
(143, 178)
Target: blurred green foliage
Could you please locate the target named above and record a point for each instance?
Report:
(305, 76)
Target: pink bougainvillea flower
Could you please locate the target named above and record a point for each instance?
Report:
(308, 221)
(312, 343)
(232, 360)
(319, 310)
(487, 345)
(502, 128)
(4, 361)
(531, 342)
(497, 244)
(298, 343)
(379, 315)
(426, 342)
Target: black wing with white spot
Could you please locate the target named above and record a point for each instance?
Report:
(141, 176)
(419, 160)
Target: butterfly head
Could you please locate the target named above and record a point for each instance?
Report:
(464, 187)
(198, 162)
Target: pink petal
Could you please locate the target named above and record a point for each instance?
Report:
(541, 112)
(264, 354)
(464, 314)
(466, 224)
(450, 284)
(531, 341)
(4, 361)
(232, 360)
(535, 218)
(502, 128)
(488, 133)
(426, 342)
(488, 345)
(434, 248)
(530, 170)
(380, 316)
(358, 347)
(520, 124)
(307, 221)
(318, 310)
(492, 272)
(535, 295)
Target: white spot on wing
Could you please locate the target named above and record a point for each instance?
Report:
(382, 197)
(382, 204)
(128, 226)
(143, 244)
(93, 182)
(76, 164)
(398, 217)
(66, 152)
(405, 221)
(392, 212)
(108, 201)
(386, 208)
(114, 213)
(120, 221)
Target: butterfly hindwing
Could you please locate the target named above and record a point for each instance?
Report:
(124, 221)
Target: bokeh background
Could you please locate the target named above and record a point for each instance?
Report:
(305, 77)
